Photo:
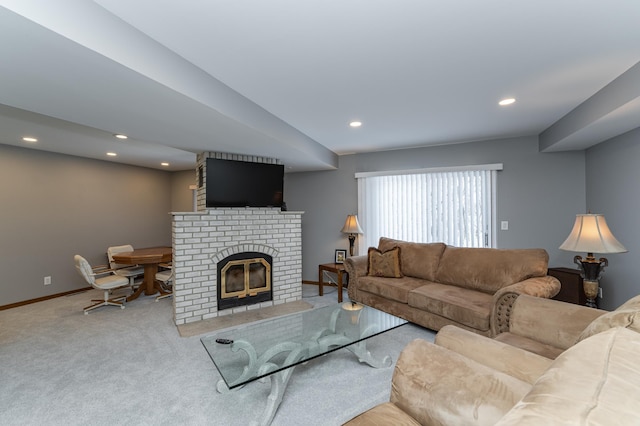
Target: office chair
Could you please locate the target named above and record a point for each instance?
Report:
(104, 283)
(129, 271)
(166, 282)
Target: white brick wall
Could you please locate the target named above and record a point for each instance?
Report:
(201, 239)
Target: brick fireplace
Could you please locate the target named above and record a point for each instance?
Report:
(209, 236)
(202, 239)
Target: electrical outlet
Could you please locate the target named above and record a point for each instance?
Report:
(47, 280)
(504, 225)
(600, 292)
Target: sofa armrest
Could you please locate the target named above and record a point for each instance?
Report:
(503, 300)
(516, 362)
(356, 267)
(437, 386)
(552, 322)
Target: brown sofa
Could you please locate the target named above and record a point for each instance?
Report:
(464, 378)
(441, 284)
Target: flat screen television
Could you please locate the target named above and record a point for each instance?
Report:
(233, 183)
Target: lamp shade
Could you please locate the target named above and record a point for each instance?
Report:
(351, 226)
(591, 234)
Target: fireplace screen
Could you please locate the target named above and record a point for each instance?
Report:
(243, 280)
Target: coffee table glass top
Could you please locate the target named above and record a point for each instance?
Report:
(257, 350)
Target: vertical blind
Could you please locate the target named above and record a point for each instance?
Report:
(454, 206)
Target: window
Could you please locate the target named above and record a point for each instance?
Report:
(451, 205)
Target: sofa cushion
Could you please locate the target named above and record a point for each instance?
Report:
(383, 415)
(419, 260)
(468, 307)
(384, 263)
(529, 345)
(596, 381)
(488, 269)
(394, 289)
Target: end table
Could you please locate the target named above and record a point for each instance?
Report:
(336, 268)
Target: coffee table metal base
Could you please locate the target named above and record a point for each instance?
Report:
(319, 344)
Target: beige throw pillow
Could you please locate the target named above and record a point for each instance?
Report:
(627, 318)
(384, 264)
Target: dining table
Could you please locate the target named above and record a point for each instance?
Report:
(149, 258)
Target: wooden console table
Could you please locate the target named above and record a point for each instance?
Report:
(336, 268)
(571, 282)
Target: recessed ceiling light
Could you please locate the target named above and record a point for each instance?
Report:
(111, 154)
(120, 136)
(506, 102)
(164, 164)
(355, 124)
(29, 139)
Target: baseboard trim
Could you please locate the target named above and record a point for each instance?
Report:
(41, 299)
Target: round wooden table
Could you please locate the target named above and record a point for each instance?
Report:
(149, 258)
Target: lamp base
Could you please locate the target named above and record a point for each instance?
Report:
(591, 291)
(590, 270)
(352, 240)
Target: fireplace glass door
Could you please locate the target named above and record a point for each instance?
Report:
(244, 281)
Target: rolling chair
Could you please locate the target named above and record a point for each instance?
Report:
(131, 272)
(166, 282)
(105, 283)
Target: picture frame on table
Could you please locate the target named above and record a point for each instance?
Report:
(340, 256)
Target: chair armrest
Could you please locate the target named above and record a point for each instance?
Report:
(356, 267)
(551, 322)
(100, 270)
(516, 362)
(97, 268)
(503, 300)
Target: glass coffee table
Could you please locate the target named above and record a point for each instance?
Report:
(272, 348)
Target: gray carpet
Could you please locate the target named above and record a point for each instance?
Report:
(209, 326)
(131, 367)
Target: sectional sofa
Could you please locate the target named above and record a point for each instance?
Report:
(464, 378)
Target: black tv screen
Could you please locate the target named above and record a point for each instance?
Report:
(233, 183)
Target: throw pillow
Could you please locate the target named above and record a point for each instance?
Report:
(384, 264)
(627, 318)
(633, 303)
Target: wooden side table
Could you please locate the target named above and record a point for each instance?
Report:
(336, 268)
(571, 290)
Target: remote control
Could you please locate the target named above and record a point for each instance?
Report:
(224, 341)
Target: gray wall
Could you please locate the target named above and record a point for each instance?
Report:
(612, 189)
(54, 206)
(181, 195)
(538, 193)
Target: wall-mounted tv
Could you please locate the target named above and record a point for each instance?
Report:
(233, 183)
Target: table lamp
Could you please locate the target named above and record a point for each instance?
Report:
(354, 309)
(352, 227)
(591, 234)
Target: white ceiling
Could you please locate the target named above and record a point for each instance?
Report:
(283, 78)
